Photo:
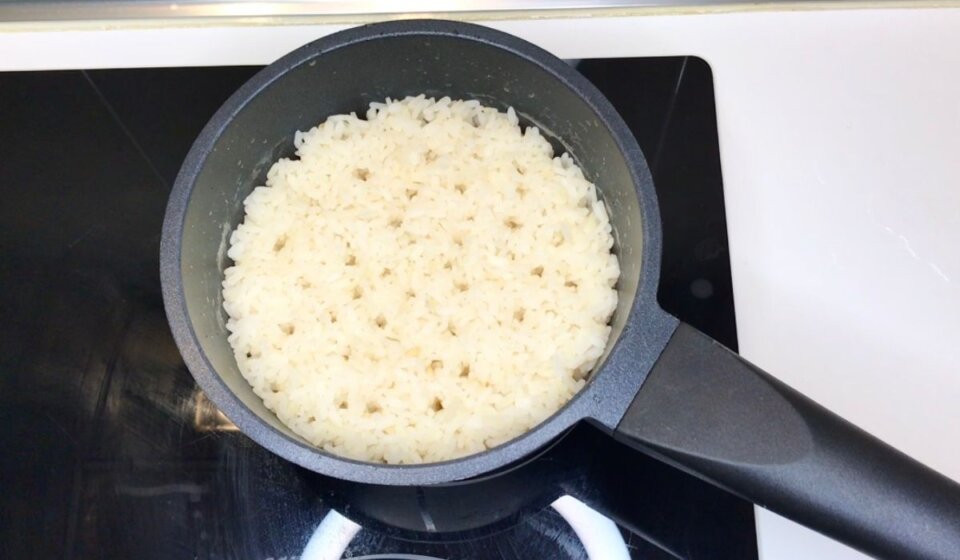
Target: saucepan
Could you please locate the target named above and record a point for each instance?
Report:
(661, 386)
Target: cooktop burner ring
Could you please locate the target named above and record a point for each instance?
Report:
(599, 535)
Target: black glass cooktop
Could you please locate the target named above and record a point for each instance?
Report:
(109, 450)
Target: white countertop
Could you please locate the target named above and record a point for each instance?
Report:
(840, 147)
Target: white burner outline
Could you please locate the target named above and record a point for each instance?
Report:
(599, 535)
(331, 538)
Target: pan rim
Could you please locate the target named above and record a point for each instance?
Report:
(612, 386)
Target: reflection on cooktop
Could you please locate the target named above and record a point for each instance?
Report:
(111, 451)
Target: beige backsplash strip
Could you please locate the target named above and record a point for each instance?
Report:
(349, 19)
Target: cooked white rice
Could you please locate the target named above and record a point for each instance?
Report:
(421, 285)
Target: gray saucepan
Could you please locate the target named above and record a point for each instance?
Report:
(661, 386)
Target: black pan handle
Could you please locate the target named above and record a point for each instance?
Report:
(709, 412)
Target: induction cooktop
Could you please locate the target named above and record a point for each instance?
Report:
(111, 450)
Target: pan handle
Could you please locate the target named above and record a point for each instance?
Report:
(709, 412)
